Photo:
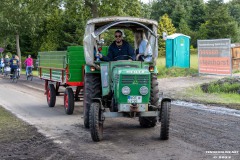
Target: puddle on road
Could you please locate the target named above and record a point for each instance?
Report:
(211, 109)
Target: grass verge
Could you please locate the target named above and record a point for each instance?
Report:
(10, 126)
(195, 94)
(18, 140)
(164, 72)
(35, 73)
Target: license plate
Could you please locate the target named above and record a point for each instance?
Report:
(134, 99)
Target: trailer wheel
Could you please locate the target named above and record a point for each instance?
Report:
(96, 123)
(165, 120)
(69, 101)
(148, 122)
(51, 95)
(92, 89)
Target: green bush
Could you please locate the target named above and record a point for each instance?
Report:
(225, 88)
(226, 85)
(193, 51)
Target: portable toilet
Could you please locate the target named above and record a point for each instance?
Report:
(178, 51)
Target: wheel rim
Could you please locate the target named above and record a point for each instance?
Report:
(66, 101)
(48, 95)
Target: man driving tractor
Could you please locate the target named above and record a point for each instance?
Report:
(119, 49)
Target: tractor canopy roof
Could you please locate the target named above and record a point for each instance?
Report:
(95, 27)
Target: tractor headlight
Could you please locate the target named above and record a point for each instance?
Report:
(126, 90)
(143, 90)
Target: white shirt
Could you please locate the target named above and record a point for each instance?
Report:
(142, 48)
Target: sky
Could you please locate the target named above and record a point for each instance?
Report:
(146, 1)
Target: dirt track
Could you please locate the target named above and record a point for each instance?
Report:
(192, 131)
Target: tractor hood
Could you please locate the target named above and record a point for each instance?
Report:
(134, 79)
(130, 76)
(129, 71)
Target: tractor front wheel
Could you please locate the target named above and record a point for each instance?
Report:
(92, 89)
(96, 122)
(165, 120)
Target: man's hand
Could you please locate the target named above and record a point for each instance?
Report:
(137, 57)
(100, 55)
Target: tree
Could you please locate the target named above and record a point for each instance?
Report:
(99, 8)
(183, 27)
(53, 36)
(74, 19)
(234, 8)
(219, 23)
(19, 17)
(197, 15)
(161, 7)
(165, 25)
(178, 13)
(145, 10)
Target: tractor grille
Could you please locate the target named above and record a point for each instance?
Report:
(116, 78)
(135, 79)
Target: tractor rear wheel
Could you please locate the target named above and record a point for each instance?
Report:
(96, 122)
(69, 101)
(148, 122)
(92, 89)
(165, 120)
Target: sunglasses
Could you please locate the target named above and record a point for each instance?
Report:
(118, 36)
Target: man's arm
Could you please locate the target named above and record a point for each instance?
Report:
(109, 56)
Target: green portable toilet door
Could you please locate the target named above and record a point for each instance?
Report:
(169, 53)
(181, 52)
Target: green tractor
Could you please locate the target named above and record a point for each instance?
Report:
(122, 88)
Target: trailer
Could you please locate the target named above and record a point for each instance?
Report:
(63, 69)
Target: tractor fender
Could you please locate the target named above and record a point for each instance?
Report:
(165, 99)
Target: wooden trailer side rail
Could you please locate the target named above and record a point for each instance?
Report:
(50, 72)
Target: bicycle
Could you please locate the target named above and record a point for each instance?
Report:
(7, 71)
(29, 74)
(15, 75)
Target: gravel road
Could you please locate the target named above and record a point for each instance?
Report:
(194, 133)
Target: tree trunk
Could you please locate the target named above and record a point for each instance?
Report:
(94, 10)
(18, 50)
(93, 7)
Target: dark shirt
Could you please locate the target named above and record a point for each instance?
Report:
(123, 52)
(13, 63)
